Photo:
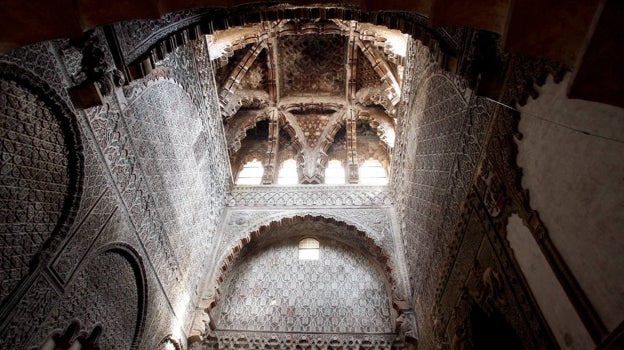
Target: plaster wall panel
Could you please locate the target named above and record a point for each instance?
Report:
(571, 155)
(551, 298)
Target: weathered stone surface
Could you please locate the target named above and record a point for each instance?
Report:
(440, 136)
(105, 292)
(40, 174)
(270, 289)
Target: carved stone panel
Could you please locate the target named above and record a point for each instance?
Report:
(105, 292)
(273, 290)
(310, 196)
(38, 176)
(440, 136)
(312, 64)
(29, 313)
(376, 224)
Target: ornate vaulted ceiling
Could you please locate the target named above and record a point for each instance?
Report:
(309, 80)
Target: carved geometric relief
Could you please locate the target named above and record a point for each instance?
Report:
(374, 226)
(255, 78)
(37, 63)
(113, 139)
(38, 175)
(272, 290)
(313, 126)
(29, 313)
(366, 75)
(313, 64)
(107, 291)
(310, 196)
(136, 36)
(441, 131)
(166, 131)
(223, 339)
(84, 235)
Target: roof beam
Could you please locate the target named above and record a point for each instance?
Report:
(383, 69)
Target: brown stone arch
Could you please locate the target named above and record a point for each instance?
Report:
(332, 130)
(242, 149)
(368, 246)
(237, 133)
(285, 125)
(379, 121)
(38, 114)
(373, 146)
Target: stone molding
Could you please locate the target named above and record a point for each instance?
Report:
(220, 339)
(309, 196)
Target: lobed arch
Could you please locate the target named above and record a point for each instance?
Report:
(285, 125)
(362, 233)
(381, 67)
(330, 138)
(237, 128)
(381, 122)
(239, 163)
(232, 83)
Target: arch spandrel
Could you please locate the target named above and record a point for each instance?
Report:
(372, 232)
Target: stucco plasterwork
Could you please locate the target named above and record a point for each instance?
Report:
(377, 224)
(309, 196)
(558, 154)
(271, 289)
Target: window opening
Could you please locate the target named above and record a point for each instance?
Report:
(309, 249)
(251, 174)
(334, 173)
(373, 173)
(288, 173)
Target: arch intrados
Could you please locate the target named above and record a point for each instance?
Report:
(74, 332)
(381, 127)
(136, 263)
(240, 134)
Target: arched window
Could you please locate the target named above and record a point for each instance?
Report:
(334, 173)
(309, 249)
(288, 173)
(251, 174)
(373, 173)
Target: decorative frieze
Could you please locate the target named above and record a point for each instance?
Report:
(309, 195)
(218, 340)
